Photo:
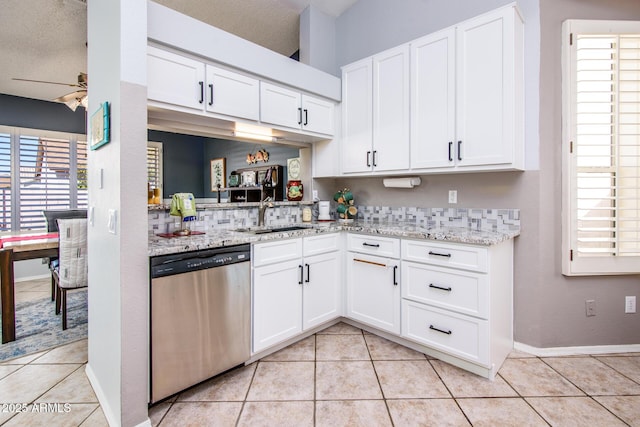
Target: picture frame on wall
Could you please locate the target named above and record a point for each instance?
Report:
(100, 131)
(218, 174)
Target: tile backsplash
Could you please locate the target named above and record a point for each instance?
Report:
(229, 218)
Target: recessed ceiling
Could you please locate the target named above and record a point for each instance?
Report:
(46, 40)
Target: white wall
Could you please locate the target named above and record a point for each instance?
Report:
(118, 263)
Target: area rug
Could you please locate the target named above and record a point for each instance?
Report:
(38, 328)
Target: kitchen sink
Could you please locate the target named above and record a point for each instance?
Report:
(270, 230)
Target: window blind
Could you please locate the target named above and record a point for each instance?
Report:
(5, 181)
(154, 165)
(607, 145)
(601, 155)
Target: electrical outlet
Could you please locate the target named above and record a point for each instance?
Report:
(590, 306)
(630, 304)
(453, 196)
(315, 195)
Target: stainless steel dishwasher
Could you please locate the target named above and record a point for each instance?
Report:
(200, 316)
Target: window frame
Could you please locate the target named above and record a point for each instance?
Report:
(159, 165)
(572, 264)
(15, 136)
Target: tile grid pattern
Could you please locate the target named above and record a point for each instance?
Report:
(473, 219)
(344, 376)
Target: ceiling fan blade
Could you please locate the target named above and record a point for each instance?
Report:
(51, 83)
(79, 94)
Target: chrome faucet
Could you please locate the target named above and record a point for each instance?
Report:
(264, 204)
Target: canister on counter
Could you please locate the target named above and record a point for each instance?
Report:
(306, 215)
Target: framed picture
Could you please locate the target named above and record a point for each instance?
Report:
(100, 127)
(218, 174)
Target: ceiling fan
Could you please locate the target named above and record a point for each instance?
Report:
(73, 99)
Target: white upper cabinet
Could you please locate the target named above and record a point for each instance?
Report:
(375, 108)
(178, 81)
(174, 79)
(357, 116)
(285, 107)
(232, 94)
(433, 100)
(391, 110)
(466, 110)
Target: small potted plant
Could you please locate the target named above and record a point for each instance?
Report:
(346, 205)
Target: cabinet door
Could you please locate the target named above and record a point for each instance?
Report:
(357, 117)
(277, 303)
(433, 143)
(317, 115)
(321, 293)
(373, 291)
(280, 106)
(174, 79)
(485, 93)
(391, 110)
(232, 94)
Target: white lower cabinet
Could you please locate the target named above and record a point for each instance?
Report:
(373, 282)
(296, 286)
(457, 299)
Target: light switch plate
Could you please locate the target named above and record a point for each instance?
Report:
(453, 196)
(113, 221)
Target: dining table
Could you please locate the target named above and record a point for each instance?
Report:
(19, 246)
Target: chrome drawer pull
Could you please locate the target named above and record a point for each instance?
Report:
(442, 288)
(433, 328)
(373, 245)
(437, 254)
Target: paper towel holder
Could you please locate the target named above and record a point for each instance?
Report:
(402, 182)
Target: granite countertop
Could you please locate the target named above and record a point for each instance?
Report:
(216, 238)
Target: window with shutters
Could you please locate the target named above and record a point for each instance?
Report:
(154, 168)
(601, 147)
(39, 172)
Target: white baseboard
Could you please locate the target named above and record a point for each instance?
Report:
(112, 418)
(576, 351)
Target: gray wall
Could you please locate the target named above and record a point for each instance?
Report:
(186, 160)
(235, 153)
(181, 162)
(36, 114)
(549, 308)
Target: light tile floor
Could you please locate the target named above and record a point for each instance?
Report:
(343, 376)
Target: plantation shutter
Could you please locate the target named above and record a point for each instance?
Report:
(602, 167)
(154, 165)
(5, 181)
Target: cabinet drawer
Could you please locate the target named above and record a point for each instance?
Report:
(381, 246)
(452, 333)
(461, 291)
(450, 255)
(276, 251)
(320, 243)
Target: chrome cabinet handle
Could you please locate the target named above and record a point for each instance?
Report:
(433, 328)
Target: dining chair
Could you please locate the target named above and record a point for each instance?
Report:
(50, 217)
(71, 272)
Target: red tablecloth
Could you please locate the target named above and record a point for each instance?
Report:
(4, 240)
